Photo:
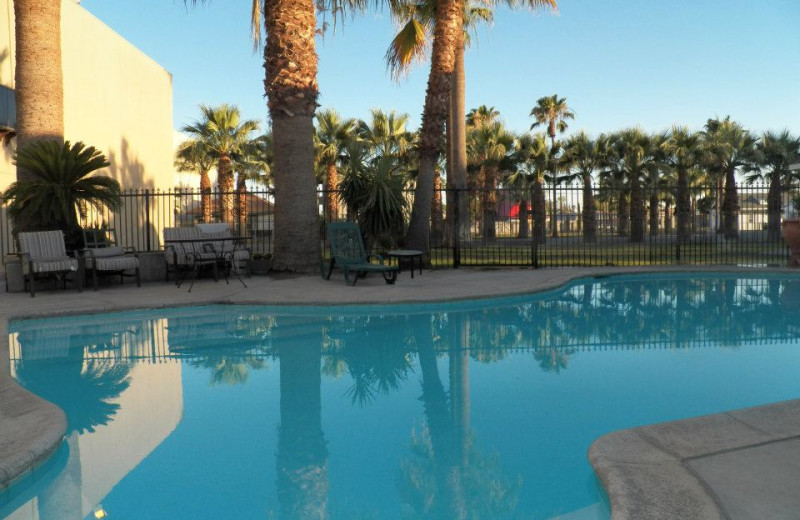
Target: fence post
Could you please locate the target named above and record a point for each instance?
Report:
(456, 230)
(147, 217)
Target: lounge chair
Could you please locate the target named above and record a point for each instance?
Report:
(103, 254)
(347, 252)
(44, 253)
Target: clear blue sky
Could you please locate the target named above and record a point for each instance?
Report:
(618, 62)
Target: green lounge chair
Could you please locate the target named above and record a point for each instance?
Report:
(347, 252)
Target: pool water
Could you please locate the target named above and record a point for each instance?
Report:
(469, 410)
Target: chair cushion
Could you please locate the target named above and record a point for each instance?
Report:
(100, 252)
(52, 265)
(113, 263)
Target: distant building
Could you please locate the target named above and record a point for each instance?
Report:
(116, 99)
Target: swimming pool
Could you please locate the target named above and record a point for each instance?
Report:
(481, 409)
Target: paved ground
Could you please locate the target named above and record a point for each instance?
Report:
(740, 465)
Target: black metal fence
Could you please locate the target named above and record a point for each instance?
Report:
(498, 227)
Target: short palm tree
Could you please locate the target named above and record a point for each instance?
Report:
(488, 148)
(683, 151)
(386, 134)
(729, 148)
(775, 151)
(532, 160)
(330, 139)
(639, 155)
(553, 112)
(224, 136)
(582, 153)
(613, 180)
(253, 164)
(61, 187)
(192, 156)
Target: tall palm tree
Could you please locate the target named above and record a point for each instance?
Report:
(488, 148)
(331, 137)
(553, 112)
(775, 151)
(684, 150)
(192, 156)
(224, 136)
(290, 65)
(39, 79)
(583, 156)
(730, 148)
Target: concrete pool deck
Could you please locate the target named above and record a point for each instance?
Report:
(736, 465)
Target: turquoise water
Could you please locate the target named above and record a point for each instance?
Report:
(481, 409)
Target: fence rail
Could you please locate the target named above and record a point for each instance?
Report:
(499, 227)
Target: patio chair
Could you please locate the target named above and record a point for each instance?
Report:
(186, 251)
(221, 237)
(44, 253)
(347, 252)
(103, 254)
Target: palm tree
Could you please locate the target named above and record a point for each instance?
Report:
(290, 65)
(582, 153)
(482, 116)
(684, 150)
(253, 164)
(639, 154)
(613, 178)
(61, 186)
(38, 76)
(532, 160)
(730, 147)
(386, 134)
(553, 112)
(775, 152)
(192, 156)
(331, 137)
(224, 137)
(488, 148)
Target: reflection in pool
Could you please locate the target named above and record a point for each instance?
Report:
(470, 410)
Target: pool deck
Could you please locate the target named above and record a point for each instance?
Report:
(741, 464)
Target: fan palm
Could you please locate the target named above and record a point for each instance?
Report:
(532, 158)
(553, 112)
(639, 155)
(583, 156)
(386, 134)
(224, 136)
(254, 164)
(488, 148)
(613, 178)
(330, 139)
(729, 148)
(775, 151)
(684, 150)
(61, 187)
(191, 156)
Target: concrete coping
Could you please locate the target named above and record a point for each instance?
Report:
(31, 429)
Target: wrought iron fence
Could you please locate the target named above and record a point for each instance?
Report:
(499, 227)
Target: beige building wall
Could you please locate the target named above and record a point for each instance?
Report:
(116, 98)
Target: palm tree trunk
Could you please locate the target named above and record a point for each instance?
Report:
(39, 82)
(554, 214)
(682, 207)
(459, 136)
(205, 196)
(225, 186)
(437, 217)
(667, 217)
(241, 205)
(589, 212)
(449, 14)
(290, 62)
(718, 200)
(774, 207)
(331, 200)
(730, 206)
(539, 212)
(523, 219)
(637, 210)
(653, 214)
(623, 214)
(489, 202)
